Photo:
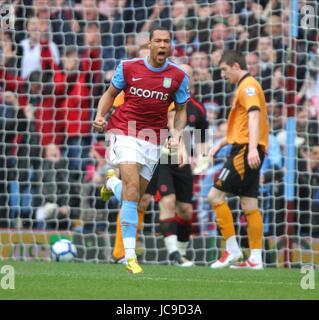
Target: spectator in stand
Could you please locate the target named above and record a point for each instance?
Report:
(64, 24)
(114, 11)
(185, 41)
(278, 85)
(252, 60)
(310, 88)
(307, 188)
(239, 32)
(41, 9)
(77, 112)
(89, 14)
(307, 126)
(8, 53)
(154, 17)
(130, 52)
(272, 85)
(274, 30)
(204, 24)
(131, 47)
(38, 97)
(220, 37)
(273, 7)
(238, 35)
(221, 9)
(267, 52)
(39, 102)
(12, 122)
(135, 15)
(22, 10)
(72, 98)
(91, 60)
(179, 12)
(52, 209)
(39, 106)
(30, 49)
(250, 22)
(199, 61)
(221, 90)
(97, 167)
(314, 182)
(93, 207)
(275, 109)
(267, 56)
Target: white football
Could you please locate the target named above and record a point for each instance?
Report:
(63, 250)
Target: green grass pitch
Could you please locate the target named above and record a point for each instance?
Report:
(45, 280)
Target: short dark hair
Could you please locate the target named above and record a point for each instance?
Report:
(35, 76)
(162, 28)
(70, 50)
(232, 56)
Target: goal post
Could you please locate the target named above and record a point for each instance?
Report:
(290, 156)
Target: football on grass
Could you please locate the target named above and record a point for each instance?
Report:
(63, 250)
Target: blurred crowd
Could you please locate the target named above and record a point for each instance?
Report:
(59, 57)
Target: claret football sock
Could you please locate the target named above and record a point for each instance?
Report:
(184, 230)
(168, 229)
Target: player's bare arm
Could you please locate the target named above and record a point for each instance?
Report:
(170, 119)
(253, 125)
(180, 145)
(105, 104)
(180, 120)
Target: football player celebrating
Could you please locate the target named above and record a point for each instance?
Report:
(134, 130)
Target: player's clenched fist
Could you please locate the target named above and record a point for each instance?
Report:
(99, 123)
(173, 143)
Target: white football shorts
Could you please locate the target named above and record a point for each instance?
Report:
(121, 148)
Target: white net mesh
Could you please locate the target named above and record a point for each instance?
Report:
(57, 58)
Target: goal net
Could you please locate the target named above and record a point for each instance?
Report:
(57, 57)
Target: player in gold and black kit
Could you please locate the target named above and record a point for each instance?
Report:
(247, 132)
